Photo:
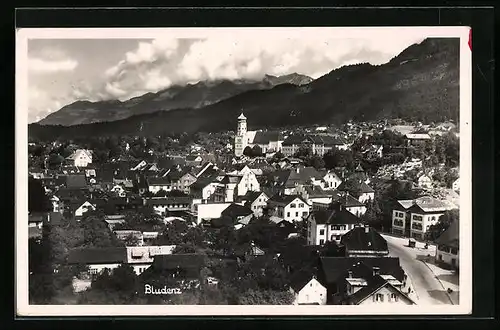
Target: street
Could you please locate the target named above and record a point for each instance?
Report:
(428, 289)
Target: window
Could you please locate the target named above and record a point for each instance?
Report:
(393, 297)
(293, 206)
(321, 241)
(379, 297)
(433, 219)
(301, 205)
(288, 214)
(342, 227)
(417, 217)
(321, 231)
(454, 251)
(296, 214)
(416, 226)
(337, 237)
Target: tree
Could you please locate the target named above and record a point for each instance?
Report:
(131, 240)
(278, 156)
(248, 151)
(256, 151)
(304, 153)
(96, 233)
(339, 158)
(442, 224)
(315, 161)
(265, 297)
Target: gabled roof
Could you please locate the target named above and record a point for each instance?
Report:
(251, 196)
(374, 284)
(335, 217)
(355, 187)
(300, 278)
(266, 137)
(235, 210)
(334, 269)
(161, 181)
(346, 200)
(285, 199)
(364, 239)
(450, 236)
(112, 255)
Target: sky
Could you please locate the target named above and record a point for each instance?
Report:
(62, 71)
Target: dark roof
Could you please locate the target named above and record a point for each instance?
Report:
(358, 239)
(251, 196)
(111, 255)
(285, 199)
(192, 158)
(300, 278)
(355, 186)
(159, 181)
(335, 268)
(346, 200)
(266, 137)
(450, 236)
(335, 217)
(183, 261)
(235, 210)
(76, 181)
(374, 284)
(320, 139)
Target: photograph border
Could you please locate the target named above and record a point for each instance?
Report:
(465, 306)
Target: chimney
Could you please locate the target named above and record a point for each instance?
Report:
(376, 271)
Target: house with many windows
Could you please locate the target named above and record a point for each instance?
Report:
(412, 218)
(326, 225)
(288, 207)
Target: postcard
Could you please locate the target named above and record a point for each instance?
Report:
(243, 171)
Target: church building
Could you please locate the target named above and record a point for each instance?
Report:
(267, 141)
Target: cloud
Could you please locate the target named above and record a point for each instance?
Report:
(38, 65)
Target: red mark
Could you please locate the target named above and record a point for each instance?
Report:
(470, 39)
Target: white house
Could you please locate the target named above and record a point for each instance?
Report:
(326, 225)
(331, 180)
(381, 292)
(157, 184)
(56, 203)
(248, 181)
(80, 158)
(289, 207)
(98, 259)
(142, 257)
(87, 206)
(163, 205)
(307, 290)
(256, 201)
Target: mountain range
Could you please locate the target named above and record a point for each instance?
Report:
(421, 83)
(194, 96)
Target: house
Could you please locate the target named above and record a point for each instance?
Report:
(364, 241)
(98, 259)
(329, 225)
(330, 180)
(267, 141)
(306, 289)
(90, 172)
(113, 220)
(159, 184)
(448, 246)
(181, 180)
(204, 188)
(314, 194)
(287, 181)
(85, 207)
(288, 207)
(333, 271)
(425, 181)
(412, 218)
(248, 181)
(56, 203)
(165, 205)
(142, 257)
(456, 185)
(36, 220)
(256, 201)
(374, 151)
(80, 158)
(237, 212)
(369, 288)
(346, 201)
(358, 189)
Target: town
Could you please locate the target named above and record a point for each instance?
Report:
(363, 213)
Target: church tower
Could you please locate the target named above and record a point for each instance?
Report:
(240, 140)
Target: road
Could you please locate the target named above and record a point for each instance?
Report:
(428, 289)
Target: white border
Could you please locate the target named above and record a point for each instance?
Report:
(465, 278)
